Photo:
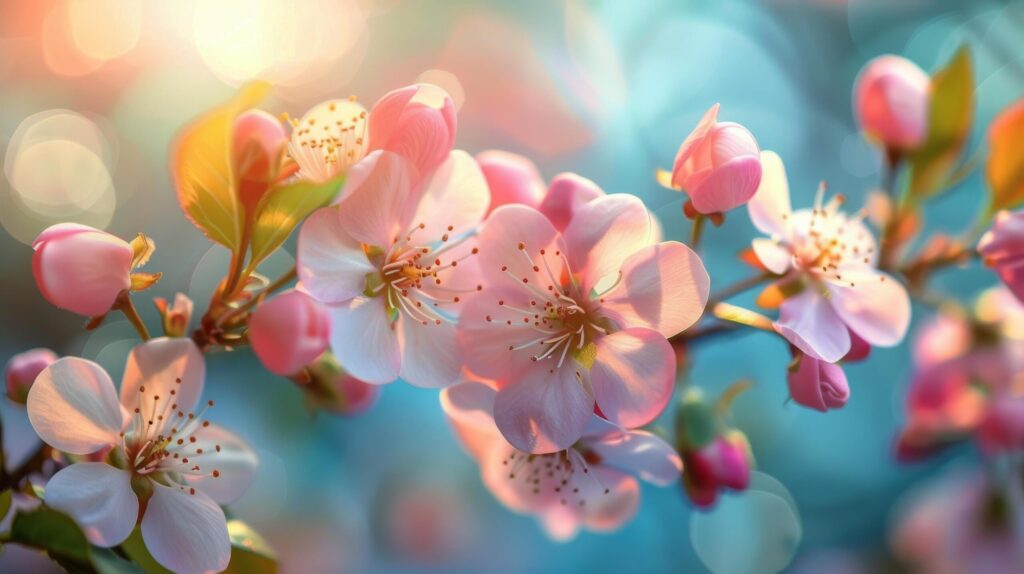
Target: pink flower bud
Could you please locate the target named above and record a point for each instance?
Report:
(417, 122)
(23, 369)
(724, 463)
(511, 178)
(1002, 248)
(1002, 429)
(258, 141)
(718, 165)
(80, 268)
(891, 99)
(332, 389)
(818, 384)
(289, 332)
(176, 316)
(566, 194)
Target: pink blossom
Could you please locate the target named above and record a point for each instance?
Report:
(394, 261)
(718, 165)
(511, 178)
(289, 332)
(163, 458)
(569, 319)
(1002, 247)
(1002, 429)
(257, 145)
(723, 464)
(417, 122)
(80, 268)
(818, 384)
(22, 370)
(566, 194)
(891, 100)
(827, 264)
(329, 139)
(591, 484)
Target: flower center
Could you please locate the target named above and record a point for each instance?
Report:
(330, 138)
(565, 474)
(824, 241)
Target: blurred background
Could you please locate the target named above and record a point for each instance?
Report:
(92, 93)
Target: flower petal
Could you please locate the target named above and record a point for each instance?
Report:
(365, 341)
(431, 354)
(544, 411)
(611, 499)
(603, 233)
(454, 198)
(874, 305)
(509, 475)
(689, 145)
(511, 178)
(808, 321)
(560, 524)
(186, 532)
(770, 205)
(233, 459)
(488, 326)
(378, 203)
(663, 287)
(641, 453)
(772, 255)
(503, 263)
(99, 498)
(161, 366)
(73, 407)
(470, 410)
(633, 376)
(567, 193)
(728, 186)
(332, 266)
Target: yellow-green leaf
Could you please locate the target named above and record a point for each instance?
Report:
(1005, 167)
(949, 126)
(284, 208)
(201, 166)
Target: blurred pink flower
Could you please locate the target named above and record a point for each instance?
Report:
(289, 332)
(570, 319)
(22, 370)
(566, 194)
(511, 178)
(80, 268)
(417, 122)
(891, 101)
(723, 464)
(393, 262)
(1002, 429)
(818, 384)
(827, 263)
(329, 139)
(718, 165)
(164, 460)
(1002, 248)
(588, 485)
(258, 142)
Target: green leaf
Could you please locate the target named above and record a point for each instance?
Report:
(284, 208)
(135, 548)
(5, 503)
(949, 126)
(52, 531)
(106, 561)
(696, 424)
(250, 553)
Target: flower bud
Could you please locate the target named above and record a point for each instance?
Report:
(23, 369)
(332, 389)
(1002, 429)
(718, 165)
(566, 194)
(289, 332)
(891, 100)
(724, 463)
(257, 144)
(818, 384)
(511, 178)
(417, 122)
(176, 316)
(1002, 248)
(80, 268)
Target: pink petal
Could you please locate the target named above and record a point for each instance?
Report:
(81, 269)
(365, 341)
(690, 144)
(487, 329)
(234, 461)
(611, 499)
(431, 354)
(772, 255)
(511, 178)
(506, 230)
(99, 498)
(417, 122)
(808, 321)
(560, 524)
(289, 332)
(770, 205)
(469, 407)
(603, 233)
(874, 305)
(641, 453)
(162, 365)
(818, 384)
(633, 376)
(454, 198)
(509, 475)
(73, 407)
(332, 266)
(378, 203)
(186, 532)
(728, 186)
(544, 411)
(663, 287)
(566, 194)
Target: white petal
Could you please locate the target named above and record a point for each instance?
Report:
(454, 195)
(162, 365)
(73, 407)
(770, 205)
(772, 255)
(641, 453)
(431, 354)
(874, 305)
(99, 498)
(234, 462)
(379, 200)
(808, 321)
(332, 266)
(365, 341)
(186, 533)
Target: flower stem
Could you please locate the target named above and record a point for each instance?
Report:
(696, 231)
(255, 299)
(125, 305)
